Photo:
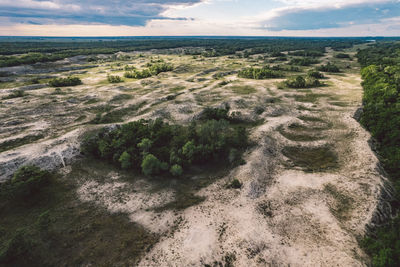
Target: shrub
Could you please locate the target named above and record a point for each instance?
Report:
(125, 160)
(236, 184)
(15, 94)
(69, 81)
(17, 251)
(305, 61)
(342, 55)
(315, 74)
(176, 170)
(301, 82)
(259, 73)
(329, 68)
(151, 165)
(114, 79)
(28, 181)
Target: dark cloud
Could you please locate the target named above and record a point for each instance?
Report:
(322, 18)
(114, 12)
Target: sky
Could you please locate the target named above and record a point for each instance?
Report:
(199, 17)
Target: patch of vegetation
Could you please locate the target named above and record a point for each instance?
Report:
(121, 97)
(342, 55)
(62, 82)
(311, 118)
(235, 183)
(299, 136)
(155, 147)
(307, 53)
(49, 226)
(315, 74)
(116, 115)
(17, 142)
(329, 67)
(114, 79)
(343, 204)
(177, 89)
(154, 69)
(301, 82)
(26, 184)
(259, 73)
(15, 94)
(309, 97)
(242, 89)
(312, 159)
(305, 61)
(383, 244)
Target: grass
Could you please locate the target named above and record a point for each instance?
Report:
(63, 231)
(177, 89)
(339, 103)
(299, 136)
(309, 97)
(17, 142)
(242, 89)
(312, 159)
(117, 114)
(310, 118)
(121, 97)
(343, 202)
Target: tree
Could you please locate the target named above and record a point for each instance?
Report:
(176, 170)
(126, 160)
(150, 165)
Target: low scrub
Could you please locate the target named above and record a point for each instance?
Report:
(68, 81)
(302, 82)
(259, 73)
(329, 68)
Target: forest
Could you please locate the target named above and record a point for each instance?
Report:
(381, 116)
(47, 51)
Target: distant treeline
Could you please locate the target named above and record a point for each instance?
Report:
(381, 116)
(30, 52)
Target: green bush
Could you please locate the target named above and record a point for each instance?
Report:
(62, 82)
(315, 74)
(154, 69)
(27, 182)
(329, 68)
(151, 165)
(301, 82)
(259, 73)
(17, 251)
(305, 61)
(114, 79)
(125, 160)
(176, 170)
(15, 94)
(342, 55)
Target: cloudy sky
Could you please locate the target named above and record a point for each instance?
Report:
(200, 17)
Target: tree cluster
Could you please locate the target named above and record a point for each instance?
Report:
(156, 147)
(259, 73)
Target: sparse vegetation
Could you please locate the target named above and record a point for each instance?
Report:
(15, 94)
